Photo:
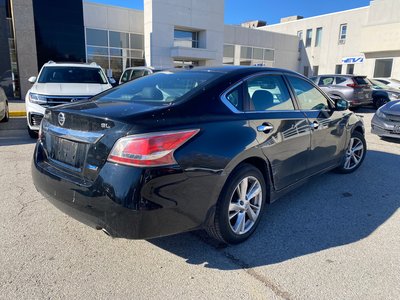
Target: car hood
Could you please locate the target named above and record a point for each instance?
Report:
(392, 108)
(69, 89)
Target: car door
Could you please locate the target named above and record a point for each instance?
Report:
(328, 125)
(282, 130)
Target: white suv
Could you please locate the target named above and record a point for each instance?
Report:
(60, 83)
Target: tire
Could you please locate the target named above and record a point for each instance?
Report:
(32, 133)
(355, 154)
(7, 114)
(237, 217)
(380, 101)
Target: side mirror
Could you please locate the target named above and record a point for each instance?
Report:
(341, 104)
(32, 79)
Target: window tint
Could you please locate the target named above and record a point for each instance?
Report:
(235, 97)
(340, 80)
(360, 80)
(325, 80)
(308, 96)
(72, 75)
(268, 92)
(159, 89)
(125, 76)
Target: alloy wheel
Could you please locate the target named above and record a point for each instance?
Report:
(354, 153)
(245, 205)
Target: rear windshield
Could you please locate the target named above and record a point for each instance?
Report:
(161, 88)
(360, 80)
(72, 75)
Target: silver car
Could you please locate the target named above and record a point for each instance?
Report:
(355, 89)
(386, 121)
(4, 111)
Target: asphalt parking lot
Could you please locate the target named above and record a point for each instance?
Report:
(335, 238)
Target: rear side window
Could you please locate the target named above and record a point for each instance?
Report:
(340, 80)
(235, 97)
(268, 92)
(326, 80)
(308, 96)
(360, 80)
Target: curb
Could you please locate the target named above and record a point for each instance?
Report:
(17, 113)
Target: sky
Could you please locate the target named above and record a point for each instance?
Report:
(238, 11)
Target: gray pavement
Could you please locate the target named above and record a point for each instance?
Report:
(335, 238)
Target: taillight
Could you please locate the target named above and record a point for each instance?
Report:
(154, 149)
(353, 85)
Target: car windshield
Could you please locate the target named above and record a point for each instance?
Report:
(160, 88)
(379, 85)
(64, 74)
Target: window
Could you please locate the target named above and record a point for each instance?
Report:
(383, 68)
(229, 54)
(308, 37)
(96, 37)
(308, 96)
(315, 70)
(318, 37)
(119, 39)
(338, 69)
(342, 34)
(235, 97)
(326, 80)
(300, 36)
(350, 69)
(268, 92)
(305, 71)
(72, 75)
(188, 39)
(340, 80)
(159, 89)
(136, 41)
(269, 54)
(126, 76)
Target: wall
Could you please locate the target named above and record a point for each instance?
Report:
(162, 16)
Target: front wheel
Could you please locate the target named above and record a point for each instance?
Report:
(6, 113)
(240, 205)
(381, 101)
(355, 153)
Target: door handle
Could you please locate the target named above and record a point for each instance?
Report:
(314, 125)
(265, 128)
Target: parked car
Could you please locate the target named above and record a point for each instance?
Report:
(136, 72)
(355, 89)
(60, 83)
(4, 110)
(189, 149)
(386, 121)
(393, 83)
(382, 94)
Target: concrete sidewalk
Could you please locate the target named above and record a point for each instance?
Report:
(17, 108)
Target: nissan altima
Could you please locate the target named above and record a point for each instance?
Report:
(182, 150)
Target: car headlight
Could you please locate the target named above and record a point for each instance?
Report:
(394, 96)
(37, 98)
(380, 114)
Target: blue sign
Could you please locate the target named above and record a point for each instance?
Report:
(353, 60)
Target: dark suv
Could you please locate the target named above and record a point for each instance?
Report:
(355, 89)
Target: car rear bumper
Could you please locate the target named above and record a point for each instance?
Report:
(122, 201)
(360, 102)
(383, 128)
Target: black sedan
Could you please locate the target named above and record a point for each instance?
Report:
(190, 149)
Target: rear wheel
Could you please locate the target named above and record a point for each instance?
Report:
(355, 153)
(380, 101)
(240, 206)
(7, 113)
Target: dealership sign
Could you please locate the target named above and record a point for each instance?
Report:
(353, 60)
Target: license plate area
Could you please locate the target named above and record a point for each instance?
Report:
(65, 151)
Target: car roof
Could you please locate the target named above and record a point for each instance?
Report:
(340, 75)
(237, 69)
(71, 64)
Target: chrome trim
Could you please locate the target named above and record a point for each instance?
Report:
(225, 100)
(73, 135)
